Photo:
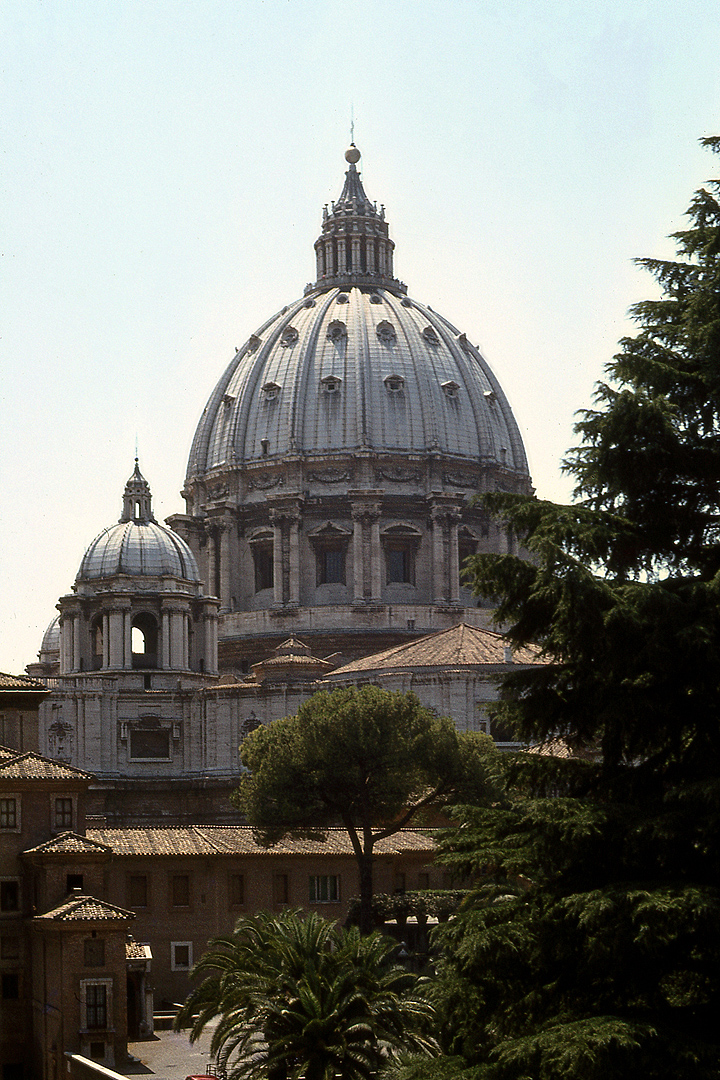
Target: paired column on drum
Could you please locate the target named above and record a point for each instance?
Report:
(286, 518)
(445, 515)
(366, 508)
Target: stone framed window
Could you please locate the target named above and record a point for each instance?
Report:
(400, 544)
(96, 1004)
(330, 543)
(137, 890)
(149, 740)
(281, 889)
(181, 955)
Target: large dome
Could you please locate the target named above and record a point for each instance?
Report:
(332, 481)
(351, 368)
(137, 546)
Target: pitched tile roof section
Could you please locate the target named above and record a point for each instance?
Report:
(32, 766)
(21, 682)
(70, 843)
(87, 909)
(6, 754)
(461, 646)
(134, 950)
(240, 840)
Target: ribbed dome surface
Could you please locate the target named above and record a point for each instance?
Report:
(357, 367)
(143, 550)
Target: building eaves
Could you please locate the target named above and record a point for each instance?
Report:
(87, 909)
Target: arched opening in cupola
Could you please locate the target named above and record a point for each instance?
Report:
(144, 641)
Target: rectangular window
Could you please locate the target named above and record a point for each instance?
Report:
(150, 744)
(181, 890)
(10, 986)
(63, 813)
(264, 569)
(325, 889)
(137, 891)
(9, 947)
(281, 891)
(74, 882)
(331, 566)
(423, 880)
(9, 895)
(181, 955)
(237, 890)
(8, 814)
(399, 882)
(399, 563)
(94, 952)
(96, 1005)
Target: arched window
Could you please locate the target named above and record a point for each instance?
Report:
(144, 641)
(96, 637)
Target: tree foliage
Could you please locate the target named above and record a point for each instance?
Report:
(366, 758)
(299, 997)
(602, 959)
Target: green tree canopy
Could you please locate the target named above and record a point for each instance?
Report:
(602, 958)
(365, 758)
(299, 997)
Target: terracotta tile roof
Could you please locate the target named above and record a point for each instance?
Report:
(33, 766)
(459, 647)
(6, 754)
(239, 840)
(69, 843)
(134, 950)
(87, 909)
(21, 682)
(560, 748)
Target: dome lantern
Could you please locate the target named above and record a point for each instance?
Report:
(354, 247)
(137, 499)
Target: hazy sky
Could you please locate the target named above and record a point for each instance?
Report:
(164, 168)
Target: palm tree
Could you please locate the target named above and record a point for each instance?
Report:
(299, 998)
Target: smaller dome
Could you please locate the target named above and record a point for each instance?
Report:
(50, 647)
(148, 550)
(137, 546)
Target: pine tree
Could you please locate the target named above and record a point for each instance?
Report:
(602, 956)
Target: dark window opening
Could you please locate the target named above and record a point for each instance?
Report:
(73, 882)
(137, 890)
(9, 947)
(281, 891)
(237, 890)
(331, 565)
(10, 986)
(96, 1006)
(97, 1051)
(8, 814)
(181, 890)
(149, 744)
(147, 682)
(400, 563)
(9, 896)
(63, 813)
(264, 571)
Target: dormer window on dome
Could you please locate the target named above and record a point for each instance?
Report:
(331, 384)
(386, 332)
(430, 335)
(289, 337)
(271, 390)
(450, 388)
(337, 330)
(394, 383)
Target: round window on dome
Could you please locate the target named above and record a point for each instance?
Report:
(394, 383)
(386, 332)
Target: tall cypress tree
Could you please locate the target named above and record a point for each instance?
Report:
(600, 954)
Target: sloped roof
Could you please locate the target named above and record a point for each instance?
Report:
(240, 840)
(21, 682)
(32, 766)
(134, 950)
(69, 843)
(461, 646)
(87, 909)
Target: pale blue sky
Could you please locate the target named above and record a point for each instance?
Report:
(164, 167)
